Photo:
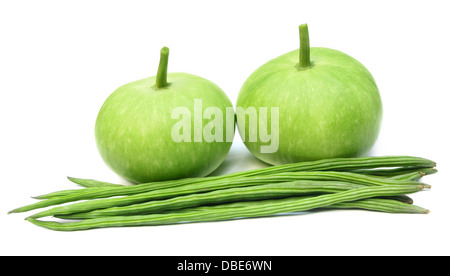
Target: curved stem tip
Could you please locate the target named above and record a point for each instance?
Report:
(304, 52)
(161, 76)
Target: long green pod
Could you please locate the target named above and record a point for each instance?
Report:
(257, 209)
(381, 205)
(415, 175)
(401, 198)
(268, 191)
(410, 175)
(80, 194)
(89, 183)
(335, 164)
(365, 165)
(396, 171)
(143, 193)
(85, 183)
(388, 204)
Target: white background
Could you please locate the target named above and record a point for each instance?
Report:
(59, 60)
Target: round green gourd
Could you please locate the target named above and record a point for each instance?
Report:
(329, 105)
(134, 127)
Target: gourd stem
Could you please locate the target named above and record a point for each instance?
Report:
(304, 53)
(161, 76)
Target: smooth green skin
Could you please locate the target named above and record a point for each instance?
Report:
(133, 130)
(332, 109)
